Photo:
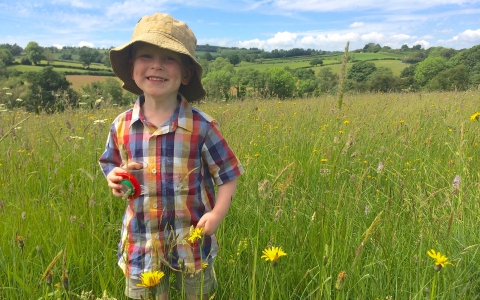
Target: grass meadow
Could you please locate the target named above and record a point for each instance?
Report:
(355, 197)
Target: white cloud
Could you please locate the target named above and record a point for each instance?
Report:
(401, 37)
(58, 46)
(288, 40)
(424, 44)
(283, 38)
(392, 5)
(255, 43)
(135, 8)
(468, 35)
(372, 37)
(428, 37)
(357, 24)
(80, 4)
(86, 44)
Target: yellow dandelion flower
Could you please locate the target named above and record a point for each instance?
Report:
(195, 234)
(475, 116)
(346, 122)
(204, 265)
(340, 280)
(273, 254)
(150, 279)
(440, 260)
(324, 160)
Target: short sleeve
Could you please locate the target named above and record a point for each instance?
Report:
(222, 162)
(111, 157)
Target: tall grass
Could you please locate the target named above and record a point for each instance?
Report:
(366, 190)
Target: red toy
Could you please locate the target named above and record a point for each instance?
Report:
(131, 185)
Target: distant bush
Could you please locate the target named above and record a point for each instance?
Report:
(25, 61)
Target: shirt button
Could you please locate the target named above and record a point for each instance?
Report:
(154, 171)
(155, 205)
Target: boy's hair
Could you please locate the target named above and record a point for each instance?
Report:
(163, 31)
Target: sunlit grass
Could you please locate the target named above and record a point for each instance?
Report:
(367, 190)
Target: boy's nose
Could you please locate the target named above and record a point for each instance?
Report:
(157, 64)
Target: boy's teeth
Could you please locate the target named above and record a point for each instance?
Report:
(156, 79)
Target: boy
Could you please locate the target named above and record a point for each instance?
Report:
(176, 152)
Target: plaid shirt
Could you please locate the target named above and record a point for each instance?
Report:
(182, 160)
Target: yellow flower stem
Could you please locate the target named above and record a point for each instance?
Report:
(201, 270)
(434, 282)
(272, 288)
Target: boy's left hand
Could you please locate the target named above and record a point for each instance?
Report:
(210, 222)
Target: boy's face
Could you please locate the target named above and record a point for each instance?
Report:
(159, 72)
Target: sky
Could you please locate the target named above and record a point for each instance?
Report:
(265, 24)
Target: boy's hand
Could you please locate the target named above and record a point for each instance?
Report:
(113, 179)
(210, 222)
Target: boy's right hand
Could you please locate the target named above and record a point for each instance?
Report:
(113, 179)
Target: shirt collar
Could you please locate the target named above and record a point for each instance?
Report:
(184, 117)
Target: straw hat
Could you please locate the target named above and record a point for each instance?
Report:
(164, 31)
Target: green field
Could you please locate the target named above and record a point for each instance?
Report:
(395, 65)
(366, 190)
(23, 68)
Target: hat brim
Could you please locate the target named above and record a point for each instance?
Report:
(120, 60)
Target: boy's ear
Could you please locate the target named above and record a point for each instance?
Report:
(189, 70)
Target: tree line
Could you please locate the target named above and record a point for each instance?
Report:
(437, 68)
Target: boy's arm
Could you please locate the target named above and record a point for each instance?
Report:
(211, 220)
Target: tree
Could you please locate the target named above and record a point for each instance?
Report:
(233, 58)
(240, 81)
(408, 71)
(66, 56)
(382, 80)
(110, 90)
(316, 61)
(220, 63)
(307, 86)
(450, 80)
(3, 69)
(361, 70)
(34, 52)
(429, 68)
(405, 47)
(14, 49)
(368, 47)
(49, 56)
(87, 56)
(407, 81)
(470, 58)
(280, 83)
(6, 56)
(217, 84)
(376, 48)
(207, 56)
(440, 51)
(48, 90)
(327, 81)
(303, 74)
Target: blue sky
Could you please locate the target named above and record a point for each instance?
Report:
(267, 24)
